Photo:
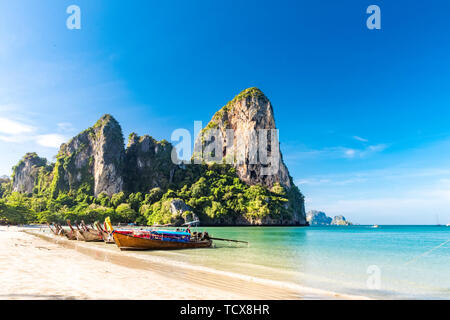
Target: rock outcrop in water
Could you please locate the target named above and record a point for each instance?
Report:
(319, 218)
(340, 221)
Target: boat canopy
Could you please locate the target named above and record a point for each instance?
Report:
(175, 233)
(159, 232)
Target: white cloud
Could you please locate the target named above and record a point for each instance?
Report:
(65, 127)
(377, 148)
(360, 139)
(362, 153)
(11, 127)
(50, 140)
(17, 132)
(350, 153)
(312, 181)
(329, 182)
(334, 152)
(15, 138)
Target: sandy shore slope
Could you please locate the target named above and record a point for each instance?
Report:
(34, 268)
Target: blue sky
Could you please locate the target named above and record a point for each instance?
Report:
(363, 114)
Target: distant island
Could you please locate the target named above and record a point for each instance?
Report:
(96, 176)
(319, 218)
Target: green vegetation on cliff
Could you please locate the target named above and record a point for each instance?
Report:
(214, 193)
(218, 196)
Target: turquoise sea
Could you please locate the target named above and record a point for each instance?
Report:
(409, 261)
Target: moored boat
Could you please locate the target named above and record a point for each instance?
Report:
(51, 229)
(86, 234)
(154, 240)
(106, 236)
(151, 239)
(69, 234)
(58, 230)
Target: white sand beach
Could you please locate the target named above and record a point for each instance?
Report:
(35, 268)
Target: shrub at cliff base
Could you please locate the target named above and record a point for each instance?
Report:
(219, 196)
(10, 214)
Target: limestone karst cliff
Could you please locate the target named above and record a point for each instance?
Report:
(94, 171)
(26, 172)
(148, 164)
(93, 160)
(250, 119)
(247, 113)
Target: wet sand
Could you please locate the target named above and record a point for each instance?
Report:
(37, 265)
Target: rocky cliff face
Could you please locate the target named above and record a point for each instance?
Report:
(181, 212)
(244, 135)
(246, 116)
(26, 172)
(92, 161)
(148, 164)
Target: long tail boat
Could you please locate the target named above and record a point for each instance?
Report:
(159, 240)
(53, 230)
(156, 239)
(70, 234)
(58, 230)
(87, 235)
(106, 236)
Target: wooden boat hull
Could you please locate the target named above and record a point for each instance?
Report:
(128, 242)
(69, 235)
(88, 236)
(107, 238)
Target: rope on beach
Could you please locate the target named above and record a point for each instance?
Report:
(423, 254)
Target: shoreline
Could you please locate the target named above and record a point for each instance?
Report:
(196, 282)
